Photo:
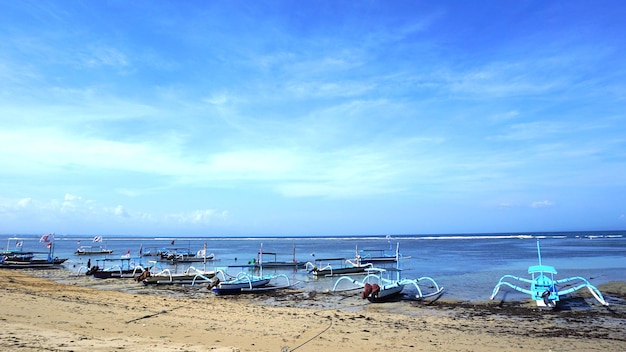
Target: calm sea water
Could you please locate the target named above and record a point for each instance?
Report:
(468, 266)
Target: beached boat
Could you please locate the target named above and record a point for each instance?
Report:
(380, 284)
(246, 283)
(235, 285)
(542, 286)
(124, 269)
(191, 276)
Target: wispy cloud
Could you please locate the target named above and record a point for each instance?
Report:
(178, 116)
(542, 204)
(97, 56)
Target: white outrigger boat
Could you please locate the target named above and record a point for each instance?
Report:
(247, 283)
(344, 266)
(543, 286)
(191, 276)
(378, 285)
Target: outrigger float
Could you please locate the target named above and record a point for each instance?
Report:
(378, 285)
(543, 286)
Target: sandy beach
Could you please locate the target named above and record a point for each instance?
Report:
(60, 315)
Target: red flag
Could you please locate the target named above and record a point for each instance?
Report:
(49, 244)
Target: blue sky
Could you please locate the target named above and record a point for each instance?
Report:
(312, 117)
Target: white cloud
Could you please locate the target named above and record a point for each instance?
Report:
(542, 204)
(24, 202)
(120, 211)
(71, 197)
(199, 216)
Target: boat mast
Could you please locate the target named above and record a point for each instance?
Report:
(204, 255)
(539, 252)
(261, 261)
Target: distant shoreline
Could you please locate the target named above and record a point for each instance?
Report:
(392, 237)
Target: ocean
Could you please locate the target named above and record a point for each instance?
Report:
(467, 265)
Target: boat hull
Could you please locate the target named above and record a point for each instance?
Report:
(238, 286)
(33, 264)
(340, 271)
(178, 279)
(113, 274)
(386, 293)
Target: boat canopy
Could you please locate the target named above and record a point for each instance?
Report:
(541, 269)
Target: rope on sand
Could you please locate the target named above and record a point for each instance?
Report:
(286, 349)
(146, 316)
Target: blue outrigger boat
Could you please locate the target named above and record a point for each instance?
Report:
(543, 286)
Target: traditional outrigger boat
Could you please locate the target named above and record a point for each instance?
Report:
(380, 256)
(247, 283)
(26, 260)
(18, 259)
(378, 288)
(191, 276)
(199, 257)
(348, 267)
(293, 263)
(543, 286)
(92, 250)
(379, 284)
(187, 257)
(345, 266)
(124, 270)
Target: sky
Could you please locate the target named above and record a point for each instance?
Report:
(307, 118)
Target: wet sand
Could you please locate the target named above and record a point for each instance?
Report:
(83, 314)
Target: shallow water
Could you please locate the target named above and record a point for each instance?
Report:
(468, 266)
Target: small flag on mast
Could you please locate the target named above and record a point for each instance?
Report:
(49, 237)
